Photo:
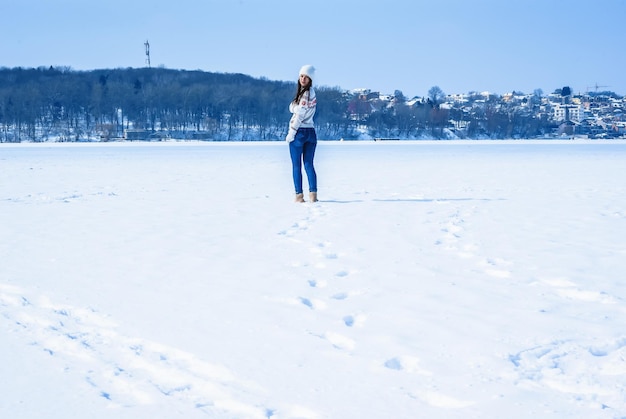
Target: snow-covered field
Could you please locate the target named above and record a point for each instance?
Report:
(432, 280)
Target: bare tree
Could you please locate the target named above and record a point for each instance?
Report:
(435, 94)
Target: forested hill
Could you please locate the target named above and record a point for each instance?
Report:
(43, 103)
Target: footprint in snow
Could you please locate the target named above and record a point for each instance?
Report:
(313, 304)
(318, 283)
(354, 320)
(409, 364)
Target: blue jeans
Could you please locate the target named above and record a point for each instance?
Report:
(302, 150)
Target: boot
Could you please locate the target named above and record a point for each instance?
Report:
(299, 197)
(313, 196)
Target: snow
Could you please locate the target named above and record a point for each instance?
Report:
(454, 279)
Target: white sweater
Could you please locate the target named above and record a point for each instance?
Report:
(302, 113)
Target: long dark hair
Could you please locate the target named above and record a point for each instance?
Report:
(301, 91)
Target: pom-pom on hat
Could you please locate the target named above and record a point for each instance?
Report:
(308, 70)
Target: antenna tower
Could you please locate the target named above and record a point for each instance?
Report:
(147, 45)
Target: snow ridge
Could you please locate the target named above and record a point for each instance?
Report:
(126, 371)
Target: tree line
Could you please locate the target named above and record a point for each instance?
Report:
(39, 104)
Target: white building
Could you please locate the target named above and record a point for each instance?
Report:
(576, 112)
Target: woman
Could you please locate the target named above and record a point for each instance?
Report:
(302, 137)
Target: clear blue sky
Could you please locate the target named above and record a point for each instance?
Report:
(383, 45)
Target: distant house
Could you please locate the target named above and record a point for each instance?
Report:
(560, 112)
(144, 135)
(137, 134)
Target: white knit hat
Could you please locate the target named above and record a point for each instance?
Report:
(308, 70)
